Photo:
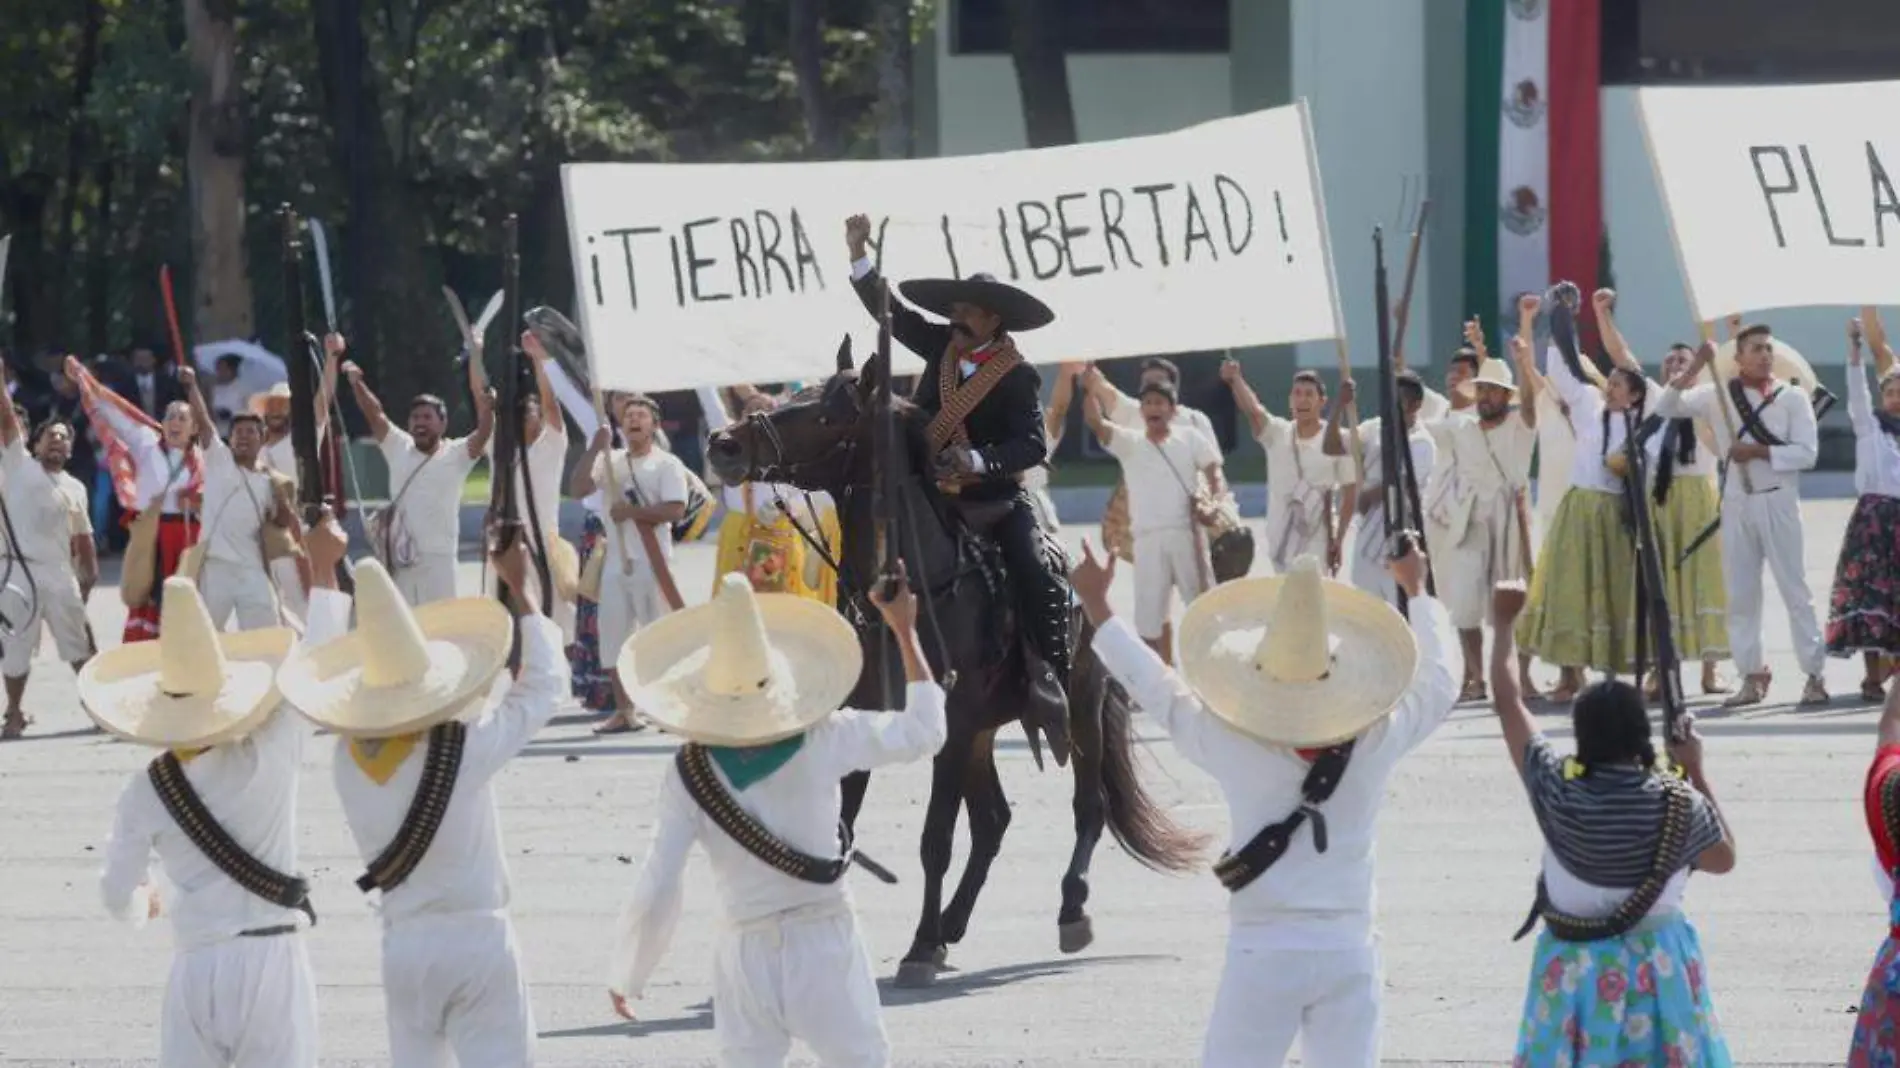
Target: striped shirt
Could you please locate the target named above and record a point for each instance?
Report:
(1603, 826)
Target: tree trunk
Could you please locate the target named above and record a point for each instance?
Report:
(214, 169)
(1042, 72)
(387, 273)
(72, 200)
(808, 63)
(896, 139)
(147, 211)
(100, 255)
(35, 305)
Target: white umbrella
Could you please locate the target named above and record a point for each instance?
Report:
(258, 370)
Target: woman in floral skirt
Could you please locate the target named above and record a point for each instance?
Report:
(1864, 611)
(1877, 1025)
(1618, 976)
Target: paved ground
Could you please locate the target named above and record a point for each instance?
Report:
(1789, 933)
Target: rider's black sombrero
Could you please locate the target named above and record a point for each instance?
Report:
(1019, 310)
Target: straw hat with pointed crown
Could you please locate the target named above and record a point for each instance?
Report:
(1297, 660)
(402, 669)
(744, 669)
(193, 687)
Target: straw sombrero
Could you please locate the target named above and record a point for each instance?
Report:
(1296, 660)
(744, 669)
(191, 688)
(1790, 365)
(260, 402)
(1495, 372)
(402, 669)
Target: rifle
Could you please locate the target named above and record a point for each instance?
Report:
(504, 507)
(302, 361)
(1403, 513)
(1653, 621)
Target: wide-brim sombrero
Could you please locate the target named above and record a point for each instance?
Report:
(193, 687)
(744, 669)
(402, 669)
(1296, 660)
(1018, 310)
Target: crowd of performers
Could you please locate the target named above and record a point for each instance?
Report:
(1299, 691)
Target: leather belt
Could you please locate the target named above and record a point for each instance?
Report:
(269, 932)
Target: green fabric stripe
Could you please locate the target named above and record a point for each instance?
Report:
(1484, 79)
(747, 765)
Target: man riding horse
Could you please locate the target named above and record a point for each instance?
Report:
(986, 428)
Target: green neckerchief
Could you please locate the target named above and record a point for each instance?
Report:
(749, 764)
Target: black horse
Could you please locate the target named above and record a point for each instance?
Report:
(822, 440)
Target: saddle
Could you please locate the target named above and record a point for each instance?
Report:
(1045, 704)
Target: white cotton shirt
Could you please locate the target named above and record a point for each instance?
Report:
(463, 870)
(281, 456)
(431, 507)
(1309, 899)
(1372, 452)
(1876, 452)
(235, 504)
(1300, 466)
(1588, 469)
(799, 803)
(659, 477)
(546, 458)
(47, 508)
(161, 473)
(250, 788)
(1487, 462)
(1161, 473)
(1790, 417)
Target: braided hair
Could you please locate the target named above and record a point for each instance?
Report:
(1679, 445)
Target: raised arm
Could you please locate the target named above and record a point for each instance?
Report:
(1604, 301)
(551, 420)
(10, 428)
(1099, 422)
(1530, 382)
(850, 740)
(1507, 698)
(200, 413)
(333, 348)
(909, 329)
(1333, 441)
(533, 697)
(1860, 399)
(366, 400)
(1056, 416)
(1244, 396)
(1153, 686)
(1877, 340)
(484, 424)
(582, 483)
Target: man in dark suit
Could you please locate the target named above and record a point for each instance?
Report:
(972, 368)
(151, 385)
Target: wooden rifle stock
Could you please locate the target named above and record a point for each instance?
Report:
(1654, 625)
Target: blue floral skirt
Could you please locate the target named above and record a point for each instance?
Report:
(592, 688)
(1642, 999)
(1877, 1028)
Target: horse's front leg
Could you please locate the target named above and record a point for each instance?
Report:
(1088, 691)
(927, 949)
(851, 797)
(988, 809)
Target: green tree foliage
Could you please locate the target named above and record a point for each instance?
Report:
(477, 104)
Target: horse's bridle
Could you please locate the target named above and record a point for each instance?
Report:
(778, 469)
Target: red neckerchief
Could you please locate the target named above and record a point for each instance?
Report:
(981, 356)
(1309, 755)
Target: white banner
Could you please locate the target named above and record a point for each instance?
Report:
(714, 274)
(1780, 196)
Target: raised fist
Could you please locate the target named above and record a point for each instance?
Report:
(857, 234)
(1604, 299)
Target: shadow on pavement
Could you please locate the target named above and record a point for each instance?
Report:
(953, 984)
(699, 1020)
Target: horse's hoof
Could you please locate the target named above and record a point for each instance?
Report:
(916, 974)
(941, 957)
(1076, 937)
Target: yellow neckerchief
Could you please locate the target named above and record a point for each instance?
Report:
(1576, 769)
(186, 756)
(380, 757)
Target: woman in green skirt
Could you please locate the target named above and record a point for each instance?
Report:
(1686, 505)
(1582, 611)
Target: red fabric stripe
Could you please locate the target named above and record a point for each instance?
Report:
(92, 395)
(1576, 164)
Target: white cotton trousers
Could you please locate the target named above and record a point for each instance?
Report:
(1166, 560)
(243, 589)
(1295, 529)
(627, 603)
(432, 578)
(1758, 529)
(455, 994)
(1493, 551)
(1327, 998)
(802, 975)
(60, 610)
(1368, 557)
(245, 1003)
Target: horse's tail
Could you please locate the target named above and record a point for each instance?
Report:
(1142, 827)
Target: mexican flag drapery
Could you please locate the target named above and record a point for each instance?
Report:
(1533, 196)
